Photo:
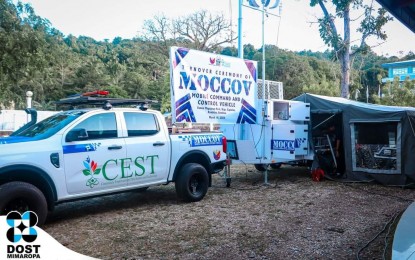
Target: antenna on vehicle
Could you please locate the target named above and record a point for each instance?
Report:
(98, 98)
(107, 106)
(143, 106)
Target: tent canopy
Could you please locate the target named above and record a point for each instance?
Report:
(378, 141)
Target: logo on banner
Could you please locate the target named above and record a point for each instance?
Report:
(220, 62)
(22, 228)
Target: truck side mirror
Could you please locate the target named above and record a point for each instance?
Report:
(77, 134)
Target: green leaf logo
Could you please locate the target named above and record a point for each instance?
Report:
(91, 170)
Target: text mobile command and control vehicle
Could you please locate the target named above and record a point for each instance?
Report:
(89, 152)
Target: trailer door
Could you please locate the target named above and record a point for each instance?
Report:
(283, 142)
(301, 140)
(299, 111)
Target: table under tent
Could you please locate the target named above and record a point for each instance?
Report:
(378, 142)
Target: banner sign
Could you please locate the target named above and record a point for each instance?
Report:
(212, 88)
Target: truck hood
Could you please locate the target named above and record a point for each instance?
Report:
(15, 139)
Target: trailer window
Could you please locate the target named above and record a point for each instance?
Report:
(375, 147)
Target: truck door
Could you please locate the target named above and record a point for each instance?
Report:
(148, 149)
(93, 162)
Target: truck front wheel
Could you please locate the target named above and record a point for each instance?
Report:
(192, 182)
(22, 197)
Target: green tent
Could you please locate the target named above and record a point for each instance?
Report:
(378, 141)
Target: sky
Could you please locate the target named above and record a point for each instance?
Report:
(293, 29)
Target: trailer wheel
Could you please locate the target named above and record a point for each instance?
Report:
(262, 167)
(192, 182)
(22, 197)
(275, 166)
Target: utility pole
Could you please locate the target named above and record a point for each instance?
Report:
(253, 5)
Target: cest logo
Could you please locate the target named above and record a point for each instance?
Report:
(22, 228)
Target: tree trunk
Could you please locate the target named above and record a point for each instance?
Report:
(345, 56)
(345, 78)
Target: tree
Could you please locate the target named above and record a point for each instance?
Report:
(230, 51)
(300, 73)
(91, 76)
(370, 25)
(23, 52)
(368, 74)
(409, 56)
(397, 93)
(202, 31)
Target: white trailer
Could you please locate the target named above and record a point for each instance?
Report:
(281, 135)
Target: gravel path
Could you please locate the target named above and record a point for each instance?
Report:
(291, 218)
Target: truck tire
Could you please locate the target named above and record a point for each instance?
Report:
(275, 166)
(261, 167)
(192, 182)
(22, 197)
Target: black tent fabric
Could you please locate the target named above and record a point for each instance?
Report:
(378, 141)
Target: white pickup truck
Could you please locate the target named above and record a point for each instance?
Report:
(89, 152)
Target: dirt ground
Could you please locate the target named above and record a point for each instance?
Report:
(290, 218)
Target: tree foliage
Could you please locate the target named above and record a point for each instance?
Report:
(397, 93)
(370, 25)
(298, 73)
(35, 56)
(201, 31)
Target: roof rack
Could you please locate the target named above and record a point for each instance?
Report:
(107, 103)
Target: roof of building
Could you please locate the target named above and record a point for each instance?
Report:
(399, 63)
(403, 10)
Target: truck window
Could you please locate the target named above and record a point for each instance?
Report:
(51, 125)
(139, 124)
(100, 126)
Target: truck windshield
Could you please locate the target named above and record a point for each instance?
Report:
(51, 125)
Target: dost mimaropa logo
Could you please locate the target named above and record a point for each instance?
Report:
(91, 170)
(22, 227)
